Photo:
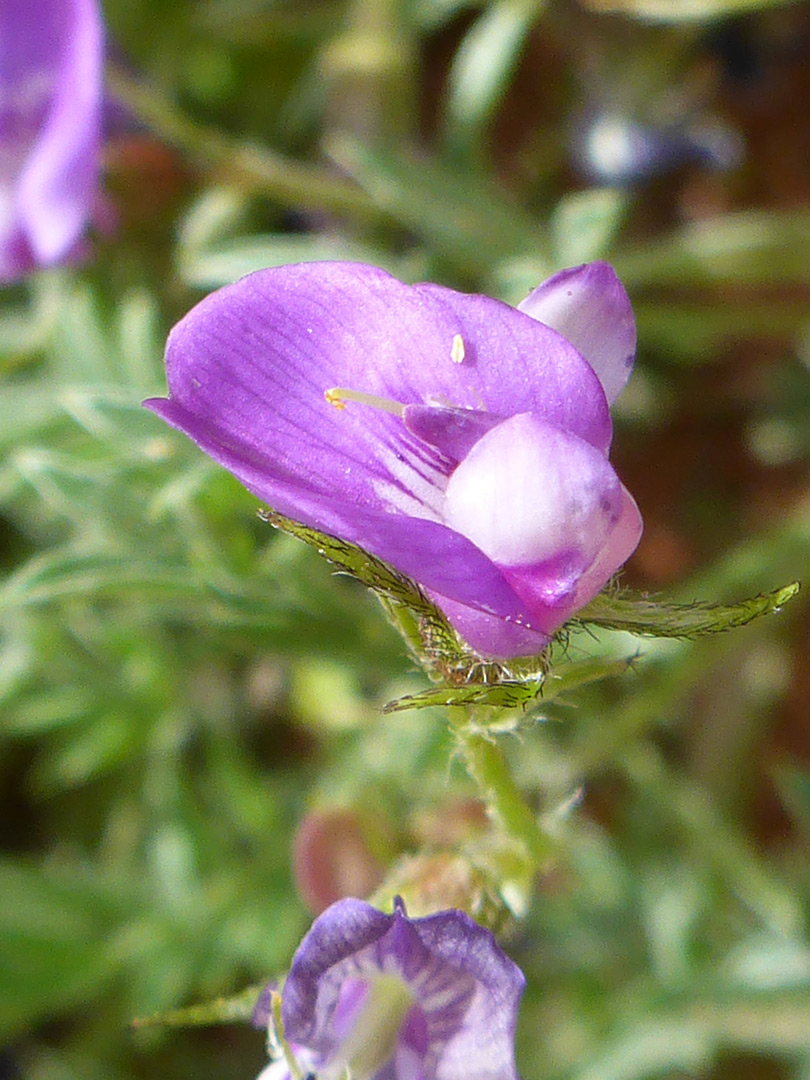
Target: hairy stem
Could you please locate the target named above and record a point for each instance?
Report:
(503, 801)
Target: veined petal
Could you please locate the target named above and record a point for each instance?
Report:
(464, 991)
(452, 431)
(589, 307)
(484, 1046)
(433, 554)
(516, 372)
(310, 996)
(424, 379)
(251, 363)
(329, 991)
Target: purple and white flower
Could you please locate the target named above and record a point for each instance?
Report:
(469, 445)
(51, 60)
(386, 997)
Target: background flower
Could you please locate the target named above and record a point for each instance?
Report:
(50, 116)
(472, 453)
(394, 998)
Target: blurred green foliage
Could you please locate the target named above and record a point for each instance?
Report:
(181, 684)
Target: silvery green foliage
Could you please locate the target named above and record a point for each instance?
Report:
(180, 684)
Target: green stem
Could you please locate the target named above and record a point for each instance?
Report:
(222, 1011)
(373, 67)
(257, 168)
(504, 803)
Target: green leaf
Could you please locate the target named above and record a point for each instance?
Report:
(463, 217)
(584, 224)
(750, 247)
(483, 65)
(226, 261)
(793, 785)
(687, 1038)
(54, 956)
(692, 331)
(753, 250)
(653, 618)
(431, 14)
(59, 575)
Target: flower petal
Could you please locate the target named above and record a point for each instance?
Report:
(251, 363)
(310, 994)
(276, 1070)
(530, 495)
(494, 637)
(484, 1046)
(437, 557)
(64, 44)
(620, 545)
(498, 638)
(453, 431)
(589, 307)
(264, 1005)
(248, 369)
(466, 991)
(520, 373)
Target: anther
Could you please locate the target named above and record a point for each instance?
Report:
(457, 349)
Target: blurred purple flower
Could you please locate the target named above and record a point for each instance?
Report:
(469, 444)
(51, 54)
(610, 148)
(386, 997)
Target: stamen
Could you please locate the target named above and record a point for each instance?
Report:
(457, 349)
(338, 396)
(372, 1039)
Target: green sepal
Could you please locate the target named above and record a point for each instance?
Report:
(236, 1009)
(510, 693)
(438, 646)
(426, 629)
(655, 618)
(373, 572)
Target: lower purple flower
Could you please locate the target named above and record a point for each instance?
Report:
(50, 122)
(463, 441)
(386, 997)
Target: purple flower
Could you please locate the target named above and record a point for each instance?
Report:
(50, 117)
(469, 443)
(385, 997)
(610, 148)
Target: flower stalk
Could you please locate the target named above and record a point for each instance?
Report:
(497, 789)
